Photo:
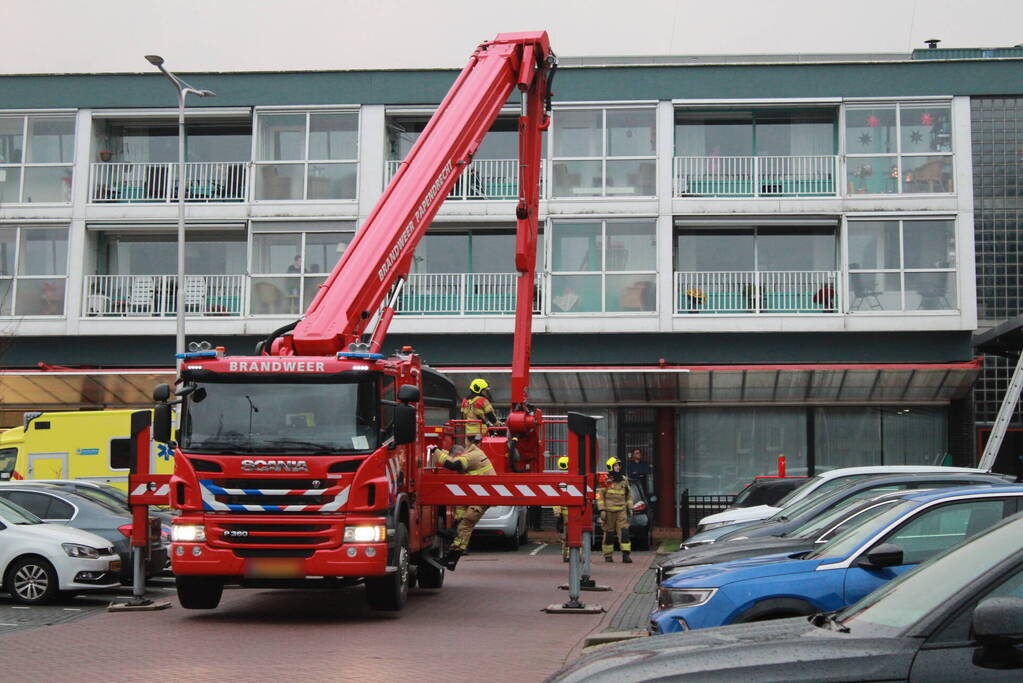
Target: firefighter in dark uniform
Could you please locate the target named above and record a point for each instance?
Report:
(561, 512)
(474, 462)
(614, 501)
(477, 406)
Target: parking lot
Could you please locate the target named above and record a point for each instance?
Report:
(487, 618)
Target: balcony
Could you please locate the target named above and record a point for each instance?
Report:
(756, 292)
(755, 176)
(220, 181)
(487, 179)
(155, 296)
(463, 294)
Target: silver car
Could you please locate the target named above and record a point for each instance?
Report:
(504, 521)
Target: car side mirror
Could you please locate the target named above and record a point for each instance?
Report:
(162, 422)
(405, 417)
(161, 392)
(408, 393)
(879, 557)
(998, 628)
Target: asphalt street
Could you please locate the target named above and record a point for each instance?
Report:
(487, 618)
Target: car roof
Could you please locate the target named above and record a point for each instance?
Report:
(893, 469)
(938, 494)
(44, 487)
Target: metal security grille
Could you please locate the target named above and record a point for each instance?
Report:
(997, 130)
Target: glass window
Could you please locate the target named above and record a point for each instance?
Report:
(60, 510)
(8, 459)
(859, 437)
(604, 152)
(120, 454)
(36, 503)
(297, 261)
(918, 257)
(320, 151)
(942, 527)
(276, 253)
(620, 254)
(324, 249)
(899, 147)
(724, 448)
(42, 173)
(715, 250)
(713, 134)
(33, 265)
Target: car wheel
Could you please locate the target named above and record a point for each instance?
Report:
(389, 593)
(32, 581)
(524, 537)
(199, 592)
(512, 542)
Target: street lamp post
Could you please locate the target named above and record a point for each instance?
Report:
(183, 90)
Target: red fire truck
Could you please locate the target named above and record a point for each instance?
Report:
(307, 461)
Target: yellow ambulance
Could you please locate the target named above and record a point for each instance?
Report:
(93, 445)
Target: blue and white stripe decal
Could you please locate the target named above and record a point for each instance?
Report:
(209, 491)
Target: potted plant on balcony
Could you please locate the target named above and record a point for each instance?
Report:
(824, 298)
(105, 155)
(694, 300)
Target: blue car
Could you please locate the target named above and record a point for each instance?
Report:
(913, 528)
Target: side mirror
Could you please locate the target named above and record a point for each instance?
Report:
(162, 422)
(161, 392)
(405, 417)
(998, 621)
(408, 393)
(879, 557)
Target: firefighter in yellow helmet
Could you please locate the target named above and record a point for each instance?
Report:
(471, 461)
(477, 406)
(614, 501)
(561, 512)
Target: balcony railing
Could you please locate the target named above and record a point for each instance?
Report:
(218, 181)
(463, 294)
(750, 291)
(155, 296)
(484, 179)
(792, 176)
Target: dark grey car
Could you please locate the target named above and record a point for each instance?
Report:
(958, 617)
(56, 504)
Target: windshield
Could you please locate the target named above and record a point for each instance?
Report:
(845, 543)
(800, 491)
(308, 417)
(102, 498)
(799, 507)
(17, 515)
(845, 519)
(8, 459)
(901, 603)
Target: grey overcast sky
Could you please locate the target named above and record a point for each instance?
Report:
(76, 36)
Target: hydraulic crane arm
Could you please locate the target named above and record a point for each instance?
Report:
(381, 253)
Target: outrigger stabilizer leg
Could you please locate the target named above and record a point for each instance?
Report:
(574, 604)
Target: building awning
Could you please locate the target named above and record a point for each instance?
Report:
(1005, 339)
(754, 384)
(71, 389)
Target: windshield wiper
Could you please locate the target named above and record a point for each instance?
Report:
(285, 443)
(218, 447)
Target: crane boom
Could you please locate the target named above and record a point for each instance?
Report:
(380, 255)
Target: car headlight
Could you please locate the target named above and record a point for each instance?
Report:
(365, 533)
(188, 533)
(678, 569)
(76, 550)
(683, 597)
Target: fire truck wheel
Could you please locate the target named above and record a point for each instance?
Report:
(430, 576)
(389, 593)
(199, 592)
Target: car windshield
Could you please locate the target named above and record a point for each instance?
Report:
(102, 498)
(800, 491)
(845, 543)
(902, 602)
(847, 516)
(266, 417)
(17, 515)
(799, 507)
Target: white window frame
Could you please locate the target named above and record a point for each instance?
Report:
(14, 277)
(23, 165)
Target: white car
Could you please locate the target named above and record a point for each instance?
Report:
(40, 560)
(821, 482)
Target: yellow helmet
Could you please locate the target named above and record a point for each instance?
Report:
(563, 462)
(478, 386)
(611, 462)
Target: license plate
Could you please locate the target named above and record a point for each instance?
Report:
(274, 568)
(115, 565)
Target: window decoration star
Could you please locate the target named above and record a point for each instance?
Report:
(865, 139)
(915, 136)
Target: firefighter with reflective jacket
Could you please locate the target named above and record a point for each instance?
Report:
(477, 406)
(561, 512)
(614, 501)
(472, 461)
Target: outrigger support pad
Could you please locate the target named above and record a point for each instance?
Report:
(574, 604)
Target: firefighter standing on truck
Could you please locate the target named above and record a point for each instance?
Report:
(471, 461)
(614, 501)
(477, 406)
(561, 512)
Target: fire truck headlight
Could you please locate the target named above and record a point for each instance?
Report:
(188, 533)
(365, 534)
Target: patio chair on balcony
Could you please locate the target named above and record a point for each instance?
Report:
(864, 287)
(195, 294)
(142, 297)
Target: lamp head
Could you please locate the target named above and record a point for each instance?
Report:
(206, 93)
(155, 60)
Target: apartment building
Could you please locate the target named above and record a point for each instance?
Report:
(740, 258)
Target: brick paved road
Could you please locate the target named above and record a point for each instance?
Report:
(485, 624)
